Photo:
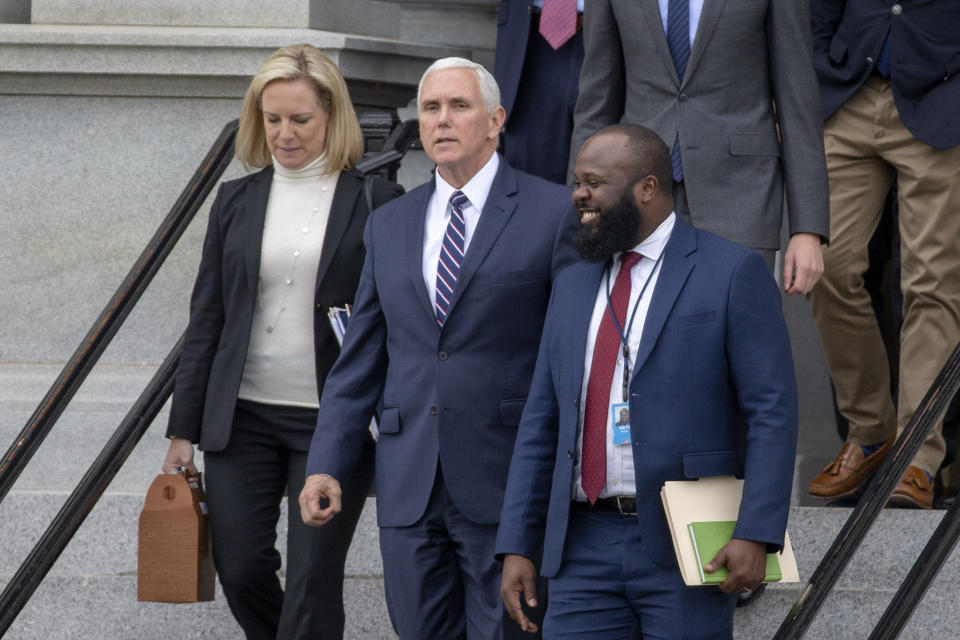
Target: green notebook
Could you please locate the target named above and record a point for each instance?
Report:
(709, 537)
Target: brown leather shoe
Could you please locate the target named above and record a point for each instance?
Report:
(848, 471)
(913, 491)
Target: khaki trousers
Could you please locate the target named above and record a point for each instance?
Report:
(867, 148)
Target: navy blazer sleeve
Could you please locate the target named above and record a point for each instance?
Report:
(761, 370)
(355, 382)
(524, 514)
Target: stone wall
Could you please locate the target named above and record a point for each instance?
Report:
(108, 107)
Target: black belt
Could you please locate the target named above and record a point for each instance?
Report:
(624, 505)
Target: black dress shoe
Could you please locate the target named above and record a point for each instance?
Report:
(745, 598)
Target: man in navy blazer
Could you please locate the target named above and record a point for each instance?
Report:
(445, 327)
(540, 85)
(889, 75)
(701, 358)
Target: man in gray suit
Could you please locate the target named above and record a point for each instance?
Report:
(729, 86)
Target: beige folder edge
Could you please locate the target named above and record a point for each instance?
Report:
(707, 500)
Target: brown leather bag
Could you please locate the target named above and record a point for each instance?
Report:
(174, 559)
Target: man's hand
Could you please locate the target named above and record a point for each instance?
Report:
(802, 264)
(519, 580)
(317, 489)
(747, 562)
(180, 456)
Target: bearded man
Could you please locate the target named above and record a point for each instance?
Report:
(684, 329)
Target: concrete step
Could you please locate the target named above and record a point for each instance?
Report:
(869, 583)
(91, 590)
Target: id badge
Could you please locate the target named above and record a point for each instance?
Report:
(620, 413)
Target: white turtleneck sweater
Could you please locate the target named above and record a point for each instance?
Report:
(280, 366)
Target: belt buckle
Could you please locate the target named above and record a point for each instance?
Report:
(620, 506)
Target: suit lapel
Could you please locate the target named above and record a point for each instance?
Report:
(654, 21)
(674, 270)
(341, 210)
(580, 312)
(708, 21)
(499, 207)
(258, 191)
(416, 218)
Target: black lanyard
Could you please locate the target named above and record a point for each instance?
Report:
(623, 336)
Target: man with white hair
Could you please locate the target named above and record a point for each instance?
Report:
(445, 327)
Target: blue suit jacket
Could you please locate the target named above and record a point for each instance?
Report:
(925, 59)
(455, 394)
(713, 393)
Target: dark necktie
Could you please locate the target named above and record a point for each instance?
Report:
(451, 255)
(593, 466)
(678, 39)
(883, 61)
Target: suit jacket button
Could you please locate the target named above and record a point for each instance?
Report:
(433, 409)
(869, 60)
(569, 453)
(683, 96)
(896, 9)
(442, 355)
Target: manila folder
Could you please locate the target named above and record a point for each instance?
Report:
(709, 499)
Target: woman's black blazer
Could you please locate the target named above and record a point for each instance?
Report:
(225, 293)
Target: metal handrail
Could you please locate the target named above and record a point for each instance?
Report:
(88, 491)
(111, 318)
(100, 474)
(833, 563)
(394, 147)
(921, 575)
(75, 371)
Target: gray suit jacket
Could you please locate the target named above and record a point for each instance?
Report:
(746, 56)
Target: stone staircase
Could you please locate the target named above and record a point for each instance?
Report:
(91, 591)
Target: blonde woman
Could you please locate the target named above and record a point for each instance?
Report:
(282, 245)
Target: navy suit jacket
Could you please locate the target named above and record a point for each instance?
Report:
(925, 59)
(513, 31)
(713, 393)
(451, 396)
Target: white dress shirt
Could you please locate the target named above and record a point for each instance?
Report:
(438, 217)
(539, 5)
(620, 476)
(696, 8)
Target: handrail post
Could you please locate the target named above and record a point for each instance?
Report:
(833, 563)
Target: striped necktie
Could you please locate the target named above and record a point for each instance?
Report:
(451, 255)
(678, 39)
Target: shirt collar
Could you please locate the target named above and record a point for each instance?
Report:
(652, 246)
(314, 169)
(478, 187)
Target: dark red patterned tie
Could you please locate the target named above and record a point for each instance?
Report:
(593, 466)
